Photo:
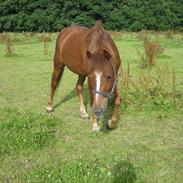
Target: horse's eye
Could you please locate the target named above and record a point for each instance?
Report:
(108, 77)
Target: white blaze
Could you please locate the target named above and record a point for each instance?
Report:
(98, 82)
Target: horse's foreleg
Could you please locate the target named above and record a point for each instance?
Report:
(95, 123)
(56, 75)
(94, 117)
(112, 123)
(79, 88)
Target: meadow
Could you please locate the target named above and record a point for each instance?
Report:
(37, 147)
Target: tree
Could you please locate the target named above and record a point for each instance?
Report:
(53, 15)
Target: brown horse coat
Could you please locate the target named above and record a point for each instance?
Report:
(89, 53)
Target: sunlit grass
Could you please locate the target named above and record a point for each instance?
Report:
(59, 147)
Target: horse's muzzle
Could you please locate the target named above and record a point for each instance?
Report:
(99, 111)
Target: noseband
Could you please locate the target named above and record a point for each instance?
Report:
(110, 94)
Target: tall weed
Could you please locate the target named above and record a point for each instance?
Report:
(152, 50)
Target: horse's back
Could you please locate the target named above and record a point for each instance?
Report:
(71, 46)
(73, 43)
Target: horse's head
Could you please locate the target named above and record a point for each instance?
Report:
(101, 80)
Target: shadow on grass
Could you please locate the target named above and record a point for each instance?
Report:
(84, 171)
(72, 94)
(124, 172)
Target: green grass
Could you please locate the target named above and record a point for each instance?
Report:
(147, 146)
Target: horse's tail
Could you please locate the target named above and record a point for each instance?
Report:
(57, 55)
(58, 62)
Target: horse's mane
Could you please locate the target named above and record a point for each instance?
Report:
(96, 37)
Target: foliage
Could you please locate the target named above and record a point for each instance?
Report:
(6, 39)
(155, 88)
(47, 15)
(152, 50)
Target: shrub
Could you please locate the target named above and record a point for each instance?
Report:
(115, 35)
(142, 35)
(151, 50)
(7, 40)
(137, 26)
(169, 34)
(45, 38)
(9, 45)
(156, 88)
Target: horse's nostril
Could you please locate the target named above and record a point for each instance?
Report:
(99, 112)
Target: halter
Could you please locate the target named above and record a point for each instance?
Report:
(109, 95)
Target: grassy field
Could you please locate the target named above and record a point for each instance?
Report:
(36, 147)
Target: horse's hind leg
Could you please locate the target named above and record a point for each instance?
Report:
(56, 76)
(79, 88)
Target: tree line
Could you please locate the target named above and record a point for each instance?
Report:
(53, 15)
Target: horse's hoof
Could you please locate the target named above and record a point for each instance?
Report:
(95, 128)
(86, 120)
(49, 109)
(107, 126)
(110, 125)
(85, 116)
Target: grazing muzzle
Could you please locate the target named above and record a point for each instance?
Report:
(98, 111)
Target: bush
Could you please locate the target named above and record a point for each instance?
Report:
(31, 15)
(152, 49)
(137, 26)
(156, 88)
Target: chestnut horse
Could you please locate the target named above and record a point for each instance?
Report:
(89, 53)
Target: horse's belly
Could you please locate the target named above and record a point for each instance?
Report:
(76, 69)
(74, 63)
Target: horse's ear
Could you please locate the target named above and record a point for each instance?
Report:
(107, 54)
(89, 54)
